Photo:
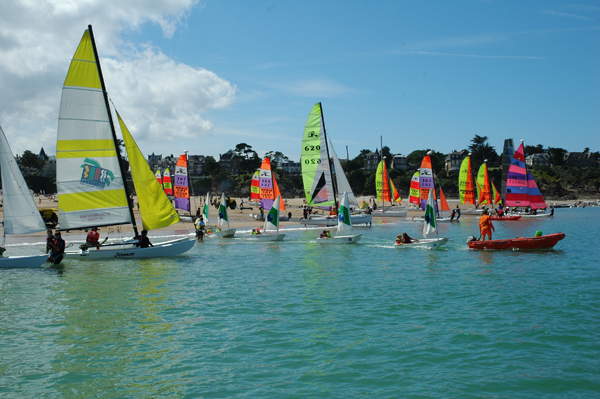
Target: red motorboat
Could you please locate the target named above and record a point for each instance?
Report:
(517, 217)
(541, 242)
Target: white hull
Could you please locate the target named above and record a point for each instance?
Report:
(340, 239)
(332, 220)
(167, 248)
(22, 261)
(425, 243)
(265, 237)
(389, 214)
(438, 220)
(471, 212)
(538, 216)
(225, 233)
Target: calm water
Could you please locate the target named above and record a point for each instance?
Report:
(237, 320)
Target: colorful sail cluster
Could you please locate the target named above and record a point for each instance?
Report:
(268, 186)
(182, 190)
(314, 158)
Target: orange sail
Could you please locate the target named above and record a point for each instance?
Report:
(445, 206)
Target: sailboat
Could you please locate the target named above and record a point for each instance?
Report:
(270, 230)
(344, 228)
(414, 196)
(430, 225)
(21, 215)
(521, 189)
(466, 188)
(426, 186)
(317, 177)
(268, 189)
(386, 191)
(223, 229)
(90, 182)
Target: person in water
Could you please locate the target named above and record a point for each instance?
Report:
(57, 249)
(457, 213)
(485, 225)
(49, 240)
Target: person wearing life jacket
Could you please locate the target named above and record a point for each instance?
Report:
(406, 239)
(57, 249)
(485, 225)
(92, 238)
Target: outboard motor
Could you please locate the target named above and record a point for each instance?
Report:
(471, 238)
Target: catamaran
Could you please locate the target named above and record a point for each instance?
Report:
(91, 187)
(268, 189)
(223, 230)
(270, 230)
(521, 189)
(466, 188)
(21, 215)
(344, 228)
(430, 225)
(319, 186)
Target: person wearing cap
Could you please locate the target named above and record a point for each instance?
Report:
(57, 249)
(538, 233)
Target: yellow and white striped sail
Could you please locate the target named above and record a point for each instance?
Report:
(156, 209)
(88, 178)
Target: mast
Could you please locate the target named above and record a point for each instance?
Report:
(382, 166)
(190, 185)
(114, 133)
(333, 183)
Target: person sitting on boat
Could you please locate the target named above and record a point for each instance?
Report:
(538, 233)
(500, 212)
(258, 231)
(485, 225)
(144, 241)
(399, 239)
(406, 239)
(92, 238)
(323, 234)
(57, 249)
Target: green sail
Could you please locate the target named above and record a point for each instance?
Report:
(316, 172)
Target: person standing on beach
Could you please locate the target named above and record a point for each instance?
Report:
(485, 225)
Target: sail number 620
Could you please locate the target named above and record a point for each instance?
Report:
(312, 148)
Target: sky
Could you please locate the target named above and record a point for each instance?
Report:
(203, 76)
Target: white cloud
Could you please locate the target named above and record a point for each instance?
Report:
(157, 97)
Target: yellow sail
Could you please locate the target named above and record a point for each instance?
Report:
(156, 209)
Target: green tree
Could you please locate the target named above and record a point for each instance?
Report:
(276, 156)
(556, 156)
(534, 149)
(437, 160)
(481, 150)
(211, 166)
(30, 160)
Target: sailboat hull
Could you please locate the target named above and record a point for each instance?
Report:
(538, 216)
(163, 249)
(389, 214)
(340, 239)
(265, 237)
(332, 220)
(22, 262)
(225, 233)
(425, 243)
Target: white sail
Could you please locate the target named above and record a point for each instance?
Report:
(91, 191)
(272, 218)
(340, 178)
(223, 218)
(21, 215)
(344, 220)
(205, 211)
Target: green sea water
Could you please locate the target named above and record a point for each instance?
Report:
(235, 319)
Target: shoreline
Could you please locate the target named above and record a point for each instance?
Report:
(238, 218)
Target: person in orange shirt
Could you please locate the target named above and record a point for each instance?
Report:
(485, 225)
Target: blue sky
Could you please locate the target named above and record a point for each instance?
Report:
(204, 76)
